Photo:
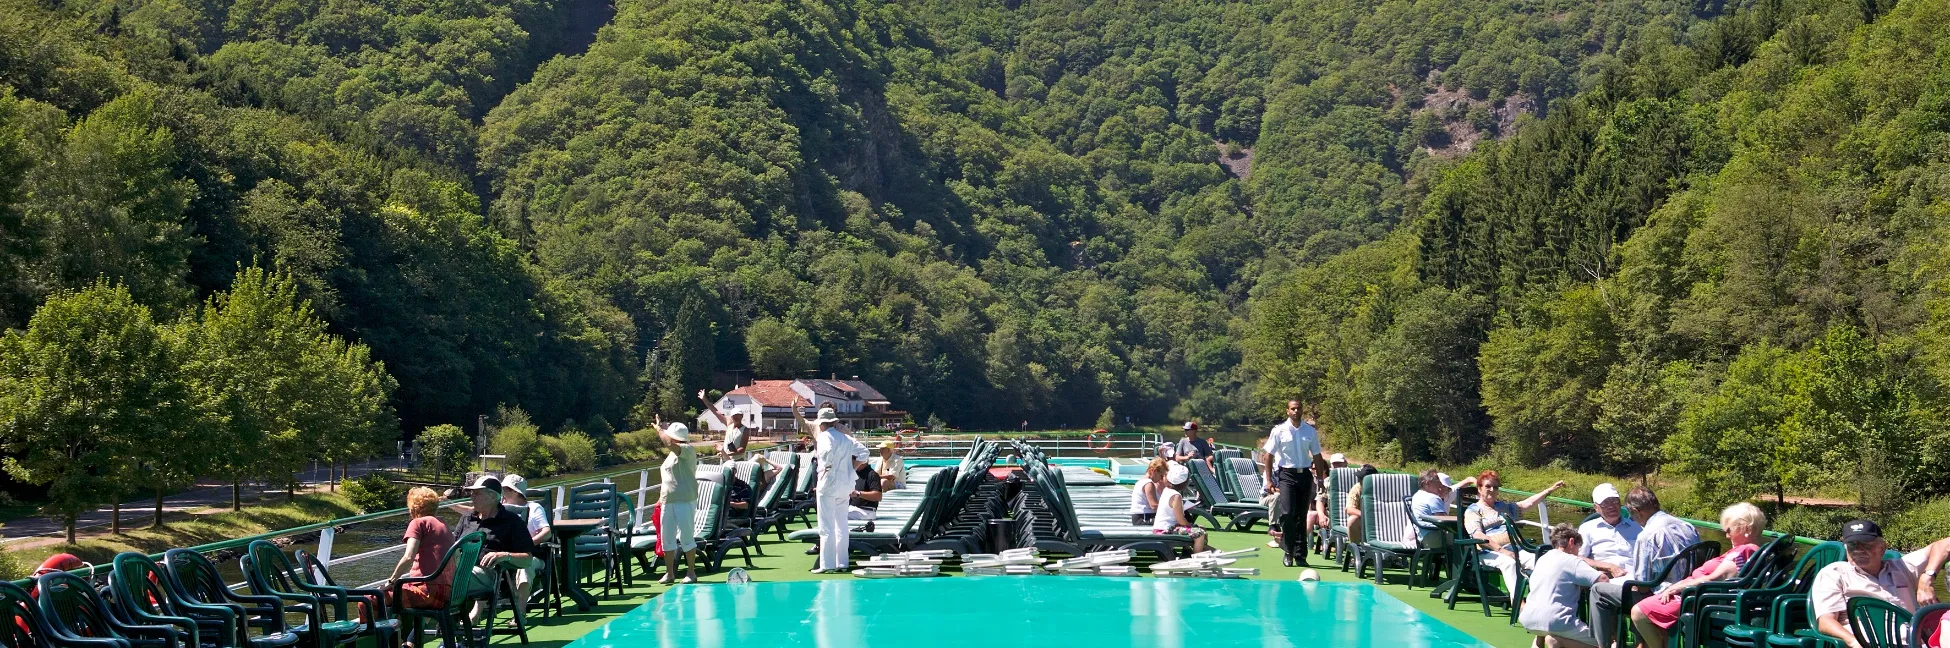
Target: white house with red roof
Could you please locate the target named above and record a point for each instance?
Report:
(766, 405)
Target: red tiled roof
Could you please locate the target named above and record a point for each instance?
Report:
(769, 393)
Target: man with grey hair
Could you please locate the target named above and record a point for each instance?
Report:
(1660, 540)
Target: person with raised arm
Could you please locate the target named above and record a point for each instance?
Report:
(735, 434)
(839, 458)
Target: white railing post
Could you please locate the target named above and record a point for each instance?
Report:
(325, 545)
(561, 501)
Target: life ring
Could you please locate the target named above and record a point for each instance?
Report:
(1092, 442)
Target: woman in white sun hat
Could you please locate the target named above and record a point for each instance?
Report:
(1171, 508)
(677, 523)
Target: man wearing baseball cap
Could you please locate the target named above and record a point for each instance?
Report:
(1191, 447)
(1608, 538)
(506, 543)
(1905, 583)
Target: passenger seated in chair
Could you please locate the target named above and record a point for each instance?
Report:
(506, 543)
(893, 467)
(1355, 534)
(865, 502)
(1491, 520)
(1551, 610)
(427, 541)
(514, 496)
(1144, 494)
(1905, 583)
(1431, 501)
(1171, 509)
(1743, 523)
(739, 496)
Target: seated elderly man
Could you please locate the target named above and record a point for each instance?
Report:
(1427, 503)
(1660, 540)
(1906, 583)
(507, 543)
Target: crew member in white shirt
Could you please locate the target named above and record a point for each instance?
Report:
(1291, 448)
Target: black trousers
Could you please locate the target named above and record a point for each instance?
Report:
(1296, 495)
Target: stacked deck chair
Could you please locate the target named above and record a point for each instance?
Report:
(1385, 518)
(1050, 523)
(955, 506)
(1240, 515)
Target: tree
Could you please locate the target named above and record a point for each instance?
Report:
(517, 439)
(690, 355)
(279, 386)
(1107, 420)
(445, 449)
(89, 389)
(1734, 441)
(778, 349)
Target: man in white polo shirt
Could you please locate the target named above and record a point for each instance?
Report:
(1608, 538)
(1291, 448)
(1905, 583)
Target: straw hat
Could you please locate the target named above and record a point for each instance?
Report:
(827, 415)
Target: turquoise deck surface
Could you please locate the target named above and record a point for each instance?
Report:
(1006, 610)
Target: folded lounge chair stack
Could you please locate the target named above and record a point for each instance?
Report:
(1101, 563)
(1049, 519)
(1210, 564)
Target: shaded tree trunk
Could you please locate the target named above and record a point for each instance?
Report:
(71, 529)
(158, 522)
(236, 495)
(115, 516)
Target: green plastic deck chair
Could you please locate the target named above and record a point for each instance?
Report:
(193, 578)
(138, 596)
(456, 565)
(1767, 568)
(1878, 624)
(1214, 502)
(329, 621)
(1340, 481)
(1682, 563)
(1764, 616)
(20, 620)
(75, 616)
(1385, 519)
(1927, 619)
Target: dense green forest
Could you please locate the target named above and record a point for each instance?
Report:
(1590, 233)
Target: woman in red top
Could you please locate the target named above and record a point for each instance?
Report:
(427, 540)
(1743, 523)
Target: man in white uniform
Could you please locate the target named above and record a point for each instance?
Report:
(839, 456)
(1291, 448)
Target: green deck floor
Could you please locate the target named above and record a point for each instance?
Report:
(787, 562)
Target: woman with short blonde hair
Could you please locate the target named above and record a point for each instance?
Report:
(427, 541)
(1743, 524)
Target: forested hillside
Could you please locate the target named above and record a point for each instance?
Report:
(990, 210)
(1726, 256)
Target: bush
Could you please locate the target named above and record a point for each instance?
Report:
(526, 453)
(573, 451)
(641, 445)
(373, 493)
(445, 449)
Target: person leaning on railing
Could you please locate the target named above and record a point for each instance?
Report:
(427, 539)
(1742, 523)
(1905, 583)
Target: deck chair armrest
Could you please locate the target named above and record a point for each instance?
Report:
(232, 615)
(1468, 542)
(377, 597)
(166, 631)
(256, 603)
(143, 622)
